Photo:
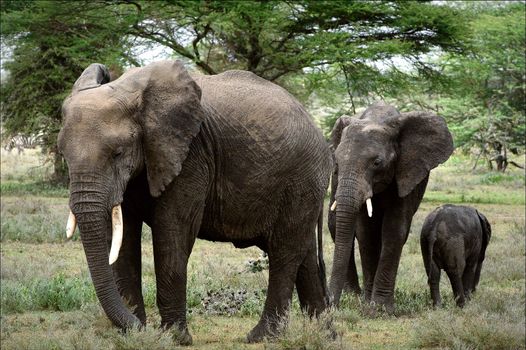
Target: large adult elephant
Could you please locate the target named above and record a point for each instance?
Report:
(383, 160)
(230, 157)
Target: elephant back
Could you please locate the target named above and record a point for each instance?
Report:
(268, 121)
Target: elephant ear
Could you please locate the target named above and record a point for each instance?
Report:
(486, 233)
(92, 77)
(172, 117)
(168, 103)
(336, 133)
(424, 142)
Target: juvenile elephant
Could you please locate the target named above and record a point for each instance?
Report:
(230, 157)
(383, 159)
(454, 238)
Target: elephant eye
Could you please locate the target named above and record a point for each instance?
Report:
(117, 153)
(377, 162)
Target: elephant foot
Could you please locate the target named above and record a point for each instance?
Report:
(353, 289)
(461, 302)
(182, 337)
(386, 306)
(262, 330)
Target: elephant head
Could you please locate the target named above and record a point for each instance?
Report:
(112, 131)
(381, 148)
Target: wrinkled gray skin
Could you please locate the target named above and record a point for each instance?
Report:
(386, 156)
(229, 157)
(454, 239)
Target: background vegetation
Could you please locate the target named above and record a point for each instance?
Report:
(462, 60)
(48, 300)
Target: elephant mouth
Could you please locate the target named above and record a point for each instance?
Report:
(117, 231)
(368, 203)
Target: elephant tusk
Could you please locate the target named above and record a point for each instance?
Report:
(71, 225)
(333, 206)
(116, 238)
(369, 207)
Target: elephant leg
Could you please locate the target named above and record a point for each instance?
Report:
(434, 283)
(310, 286)
(127, 268)
(456, 284)
(368, 233)
(288, 248)
(476, 278)
(283, 269)
(173, 240)
(394, 235)
(468, 278)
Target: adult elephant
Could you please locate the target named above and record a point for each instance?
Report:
(230, 157)
(383, 159)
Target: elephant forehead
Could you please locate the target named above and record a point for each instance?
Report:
(371, 133)
(372, 128)
(93, 109)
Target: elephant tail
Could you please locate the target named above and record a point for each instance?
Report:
(321, 261)
(428, 237)
(430, 245)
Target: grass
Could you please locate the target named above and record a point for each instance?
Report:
(48, 302)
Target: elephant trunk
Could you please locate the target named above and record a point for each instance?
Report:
(89, 204)
(349, 201)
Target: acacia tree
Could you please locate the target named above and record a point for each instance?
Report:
(484, 99)
(300, 44)
(51, 43)
(329, 48)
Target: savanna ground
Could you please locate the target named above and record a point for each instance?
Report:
(48, 302)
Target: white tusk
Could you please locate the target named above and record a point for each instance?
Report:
(71, 225)
(333, 206)
(116, 238)
(369, 207)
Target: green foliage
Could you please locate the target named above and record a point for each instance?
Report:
(489, 321)
(51, 43)
(33, 220)
(483, 100)
(299, 331)
(60, 293)
(40, 188)
(274, 38)
(328, 48)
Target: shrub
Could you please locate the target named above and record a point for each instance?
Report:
(491, 320)
(299, 331)
(60, 293)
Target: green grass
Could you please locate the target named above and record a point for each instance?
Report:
(35, 188)
(48, 302)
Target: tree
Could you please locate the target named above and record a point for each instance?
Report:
(336, 51)
(302, 44)
(487, 107)
(52, 42)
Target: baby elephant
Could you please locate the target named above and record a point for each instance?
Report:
(454, 238)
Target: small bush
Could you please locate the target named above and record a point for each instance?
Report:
(491, 320)
(36, 188)
(228, 301)
(259, 264)
(410, 302)
(151, 338)
(60, 293)
(299, 331)
(498, 178)
(34, 220)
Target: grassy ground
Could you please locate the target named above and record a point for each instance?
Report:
(48, 302)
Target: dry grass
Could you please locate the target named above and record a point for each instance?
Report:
(48, 301)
